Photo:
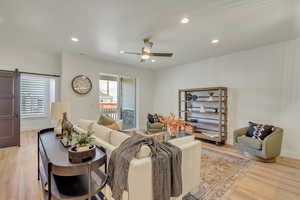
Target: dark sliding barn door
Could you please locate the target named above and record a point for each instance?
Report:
(9, 108)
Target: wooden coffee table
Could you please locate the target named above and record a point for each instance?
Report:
(62, 179)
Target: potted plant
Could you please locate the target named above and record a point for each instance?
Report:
(82, 150)
(83, 141)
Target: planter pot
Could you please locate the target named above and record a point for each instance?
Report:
(83, 154)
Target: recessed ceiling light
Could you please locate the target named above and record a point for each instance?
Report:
(215, 41)
(185, 20)
(122, 52)
(153, 60)
(74, 39)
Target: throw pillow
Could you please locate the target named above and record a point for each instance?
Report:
(160, 118)
(105, 120)
(156, 118)
(259, 131)
(153, 118)
(150, 118)
(113, 126)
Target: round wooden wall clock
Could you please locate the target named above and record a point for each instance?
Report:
(81, 84)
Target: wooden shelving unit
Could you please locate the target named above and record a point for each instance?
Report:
(206, 110)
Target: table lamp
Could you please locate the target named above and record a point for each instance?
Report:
(57, 110)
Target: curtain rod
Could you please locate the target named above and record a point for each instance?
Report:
(52, 75)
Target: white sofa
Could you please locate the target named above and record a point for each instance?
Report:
(140, 170)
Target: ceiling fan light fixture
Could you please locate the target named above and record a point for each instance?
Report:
(145, 56)
(147, 50)
(185, 20)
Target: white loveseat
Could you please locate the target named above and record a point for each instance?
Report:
(140, 170)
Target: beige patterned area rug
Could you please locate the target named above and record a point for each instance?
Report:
(219, 171)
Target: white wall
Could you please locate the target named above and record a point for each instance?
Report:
(86, 106)
(29, 60)
(264, 86)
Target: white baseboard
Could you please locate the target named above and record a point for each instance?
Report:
(290, 154)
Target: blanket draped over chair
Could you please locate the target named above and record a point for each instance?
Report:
(166, 167)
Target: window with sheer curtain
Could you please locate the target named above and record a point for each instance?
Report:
(35, 96)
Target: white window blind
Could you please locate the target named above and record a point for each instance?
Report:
(34, 96)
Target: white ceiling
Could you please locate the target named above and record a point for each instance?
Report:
(105, 27)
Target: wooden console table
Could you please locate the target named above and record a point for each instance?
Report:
(62, 179)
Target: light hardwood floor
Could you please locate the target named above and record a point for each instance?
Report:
(263, 181)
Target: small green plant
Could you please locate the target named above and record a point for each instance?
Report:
(84, 139)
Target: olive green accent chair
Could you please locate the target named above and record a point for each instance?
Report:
(266, 150)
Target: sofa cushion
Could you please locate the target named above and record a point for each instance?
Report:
(108, 147)
(85, 124)
(101, 132)
(77, 129)
(116, 138)
(250, 142)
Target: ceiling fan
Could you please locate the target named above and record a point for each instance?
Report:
(146, 51)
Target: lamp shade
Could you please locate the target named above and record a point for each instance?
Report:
(57, 110)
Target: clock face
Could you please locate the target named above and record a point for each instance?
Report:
(81, 84)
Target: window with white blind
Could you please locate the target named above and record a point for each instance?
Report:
(35, 96)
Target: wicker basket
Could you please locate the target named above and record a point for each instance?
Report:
(81, 156)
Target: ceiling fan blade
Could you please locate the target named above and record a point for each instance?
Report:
(133, 53)
(162, 54)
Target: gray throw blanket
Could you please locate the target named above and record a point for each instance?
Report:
(166, 167)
